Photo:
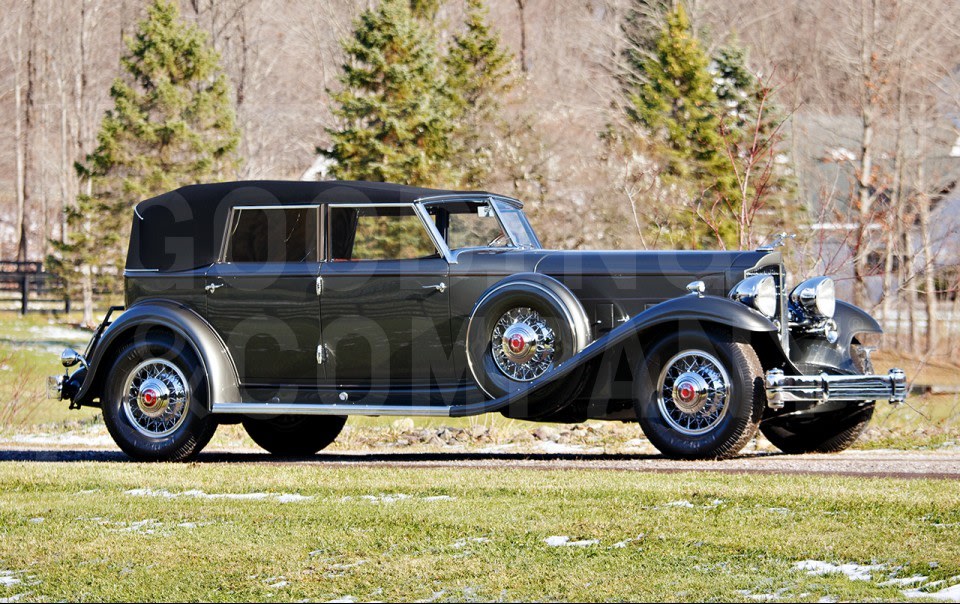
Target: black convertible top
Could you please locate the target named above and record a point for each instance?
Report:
(183, 229)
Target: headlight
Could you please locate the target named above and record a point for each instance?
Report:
(817, 296)
(760, 292)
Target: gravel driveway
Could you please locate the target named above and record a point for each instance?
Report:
(886, 463)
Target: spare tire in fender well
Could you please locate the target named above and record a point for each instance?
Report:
(544, 294)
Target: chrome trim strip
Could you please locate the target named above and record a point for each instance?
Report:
(329, 409)
(823, 388)
(468, 196)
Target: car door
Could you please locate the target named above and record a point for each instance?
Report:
(262, 295)
(386, 312)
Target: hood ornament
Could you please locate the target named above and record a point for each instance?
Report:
(779, 240)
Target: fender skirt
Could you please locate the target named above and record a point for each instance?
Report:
(695, 311)
(182, 321)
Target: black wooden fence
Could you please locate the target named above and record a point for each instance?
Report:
(35, 288)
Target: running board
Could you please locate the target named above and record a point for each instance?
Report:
(329, 409)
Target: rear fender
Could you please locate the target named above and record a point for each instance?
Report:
(136, 322)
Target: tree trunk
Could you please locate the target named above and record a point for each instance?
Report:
(891, 284)
(18, 128)
(29, 122)
(521, 5)
(868, 100)
(86, 287)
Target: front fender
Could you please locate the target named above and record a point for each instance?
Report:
(222, 382)
(813, 352)
(687, 312)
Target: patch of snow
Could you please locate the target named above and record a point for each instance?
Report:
(144, 527)
(625, 542)
(948, 594)
(434, 596)
(465, 541)
(827, 600)
(292, 497)
(841, 154)
(854, 572)
(278, 585)
(902, 582)
(58, 333)
(16, 597)
(8, 578)
(344, 600)
(37, 520)
(386, 497)
(564, 541)
(348, 565)
(198, 494)
(439, 498)
(682, 503)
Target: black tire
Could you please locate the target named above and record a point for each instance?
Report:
(725, 429)
(556, 308)
(190, 427)
(294, 435)
(822, 431)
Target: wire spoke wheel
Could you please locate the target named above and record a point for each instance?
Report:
(523, 344)
(156, 398)
(693, 392)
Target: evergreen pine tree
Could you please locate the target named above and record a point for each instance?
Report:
(171, 124)
(677, 106)
(479, 75)
(394, 117)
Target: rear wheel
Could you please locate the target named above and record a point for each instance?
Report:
(294, 435)
(700, 396)
(154, 403)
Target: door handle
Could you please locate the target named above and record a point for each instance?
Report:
(440, 287)
(212, 287)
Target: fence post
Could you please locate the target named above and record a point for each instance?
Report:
(24, 293)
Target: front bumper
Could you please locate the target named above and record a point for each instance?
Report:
(817, 389)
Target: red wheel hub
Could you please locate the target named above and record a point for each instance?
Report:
(517, 342)
(687, 392)
(150, 397)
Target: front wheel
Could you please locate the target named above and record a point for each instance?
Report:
(294, 435)
(700, 396)
(154, 403)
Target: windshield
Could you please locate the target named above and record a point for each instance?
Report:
(477, 223)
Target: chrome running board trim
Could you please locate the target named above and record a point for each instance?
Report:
(328, 409)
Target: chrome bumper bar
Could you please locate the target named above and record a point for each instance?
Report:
(817, 389)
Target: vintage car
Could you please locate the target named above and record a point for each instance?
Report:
(288, 306)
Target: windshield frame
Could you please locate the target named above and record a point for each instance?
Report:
(500, 206)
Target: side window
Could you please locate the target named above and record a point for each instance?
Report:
(273, 235)
(378, 233)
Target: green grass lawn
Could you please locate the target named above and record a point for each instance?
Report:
(124, 531)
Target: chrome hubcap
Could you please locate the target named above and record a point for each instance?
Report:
(693, 392)
(523, 345)
(156, 398)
